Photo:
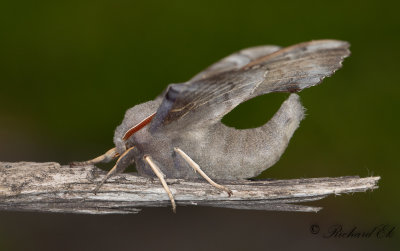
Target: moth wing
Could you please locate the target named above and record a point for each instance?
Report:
(233, 61)
(204, 100)
(236, 60)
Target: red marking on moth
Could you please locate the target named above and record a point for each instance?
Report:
(137, 127)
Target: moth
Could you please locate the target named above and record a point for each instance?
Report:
(181, 130)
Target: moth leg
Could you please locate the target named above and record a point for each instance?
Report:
(197, 168)
(105, 158)
(122, 163)
(161, 176)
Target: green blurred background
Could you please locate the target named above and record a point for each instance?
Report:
(70, 69)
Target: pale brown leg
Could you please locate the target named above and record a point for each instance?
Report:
(160, 176)
(197, 168)
(122, 163)
(105, 158)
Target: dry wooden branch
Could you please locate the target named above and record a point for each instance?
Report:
(50, 187)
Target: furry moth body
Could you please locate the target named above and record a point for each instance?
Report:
(180, 130)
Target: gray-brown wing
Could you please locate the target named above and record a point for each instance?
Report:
(205, 101)
(233, 61)
(236, 60)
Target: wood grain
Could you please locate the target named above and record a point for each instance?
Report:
(50, 187)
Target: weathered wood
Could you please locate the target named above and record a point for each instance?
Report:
(50, 187)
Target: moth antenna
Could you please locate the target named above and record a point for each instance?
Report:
(105, 158)
(197, 168)
(161, 176)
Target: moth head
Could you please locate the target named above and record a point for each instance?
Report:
(136, 118)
